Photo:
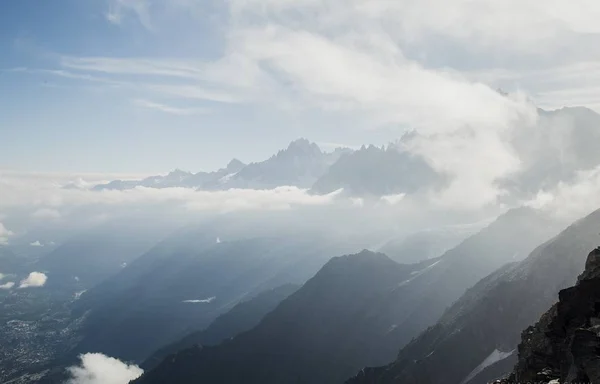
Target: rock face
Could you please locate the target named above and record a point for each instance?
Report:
(565, 344)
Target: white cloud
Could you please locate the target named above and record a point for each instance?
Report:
(120, 9)
(2, 276)
(4, 234)
(147, 104)
(8, 285)
(46, 214)
(393, 199)
(36, 244)
(332, 146)
(96, 368)
(35, 279)
(207, 300)
(571, 200)
(357, 201)
(50, 194)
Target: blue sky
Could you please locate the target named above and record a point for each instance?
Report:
(50, 122)
(152, 85)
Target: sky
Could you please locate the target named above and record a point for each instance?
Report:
(146, 86)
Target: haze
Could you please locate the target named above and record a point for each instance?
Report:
(314, 177)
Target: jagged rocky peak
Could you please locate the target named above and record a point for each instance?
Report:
(302, 146)
(592, 266)
(235, 165)
(564, 346)
(178, 173)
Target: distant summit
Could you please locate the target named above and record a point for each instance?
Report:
(378, 171)
(303, 147)
(300, 165)
(235, 165)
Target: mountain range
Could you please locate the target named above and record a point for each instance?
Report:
(264, 297)
(185, 282)
(395, 169)
(356, 310)
(300, 164)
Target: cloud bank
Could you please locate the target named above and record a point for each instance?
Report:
(49, 196)
(34, 280)
(96, 368)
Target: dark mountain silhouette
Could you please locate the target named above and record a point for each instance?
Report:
(374, 171)
(564, 346)
(242, 317)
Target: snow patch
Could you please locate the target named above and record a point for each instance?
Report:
(493, 358)
(418, 273)
(207, 300)
(226, 178)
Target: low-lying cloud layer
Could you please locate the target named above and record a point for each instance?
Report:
(34, 280)
(96, 368)
(50, 196)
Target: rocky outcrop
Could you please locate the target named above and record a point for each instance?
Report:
(565, 344)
